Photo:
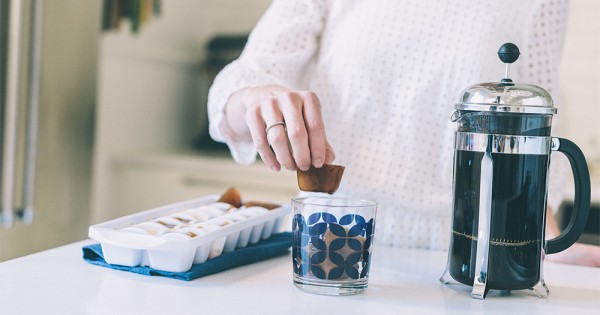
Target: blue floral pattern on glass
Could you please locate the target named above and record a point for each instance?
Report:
(330, 249)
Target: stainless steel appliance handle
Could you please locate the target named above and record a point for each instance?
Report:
(9, 143)
(33, 101)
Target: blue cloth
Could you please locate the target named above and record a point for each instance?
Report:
(275, 245)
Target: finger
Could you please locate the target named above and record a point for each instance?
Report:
(329, 154)
(315, 127)
(256, 125)
(279, 143)
(277, 136)
(291, 105)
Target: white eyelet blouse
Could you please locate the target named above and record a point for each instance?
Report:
(388, 73)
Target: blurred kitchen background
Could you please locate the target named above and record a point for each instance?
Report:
(122, 121)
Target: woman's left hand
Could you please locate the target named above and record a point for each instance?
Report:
(577, 254)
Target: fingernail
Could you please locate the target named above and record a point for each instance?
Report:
(318, 163)
(275, 168)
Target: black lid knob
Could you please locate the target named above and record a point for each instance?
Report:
(508, 53)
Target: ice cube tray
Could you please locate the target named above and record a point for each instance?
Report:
(174, 244)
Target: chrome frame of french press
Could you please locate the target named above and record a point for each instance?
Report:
(503, 144)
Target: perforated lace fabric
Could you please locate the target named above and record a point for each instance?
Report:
(388, 74)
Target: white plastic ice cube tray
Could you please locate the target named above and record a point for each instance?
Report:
(173, 249)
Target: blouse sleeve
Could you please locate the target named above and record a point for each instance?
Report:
(279, 51)
(542, 57)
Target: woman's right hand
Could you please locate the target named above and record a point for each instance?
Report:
(297, 143)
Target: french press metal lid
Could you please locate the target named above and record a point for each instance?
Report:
(506, 96)
(506, 108)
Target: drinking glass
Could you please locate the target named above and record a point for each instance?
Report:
(332, 244)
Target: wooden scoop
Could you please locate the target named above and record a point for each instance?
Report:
(325, 179)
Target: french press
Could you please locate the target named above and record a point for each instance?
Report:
(501, 160)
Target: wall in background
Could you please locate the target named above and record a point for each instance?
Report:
(149, 89)
(580, 81)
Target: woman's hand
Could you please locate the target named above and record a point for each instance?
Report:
(577, 254)
(285, 125)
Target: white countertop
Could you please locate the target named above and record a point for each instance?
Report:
(58, 281)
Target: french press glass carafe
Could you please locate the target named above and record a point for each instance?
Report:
(501, 160)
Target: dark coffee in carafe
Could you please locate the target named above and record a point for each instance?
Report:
(501, 161)
(517, 219)
(518, 203)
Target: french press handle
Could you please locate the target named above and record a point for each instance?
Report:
(581, 204)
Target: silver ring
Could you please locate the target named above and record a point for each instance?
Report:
(275, 124)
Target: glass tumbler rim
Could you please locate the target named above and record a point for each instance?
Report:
(330, 201)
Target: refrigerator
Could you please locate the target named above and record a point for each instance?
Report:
(48, 71)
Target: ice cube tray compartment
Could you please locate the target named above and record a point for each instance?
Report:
(174, 245)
